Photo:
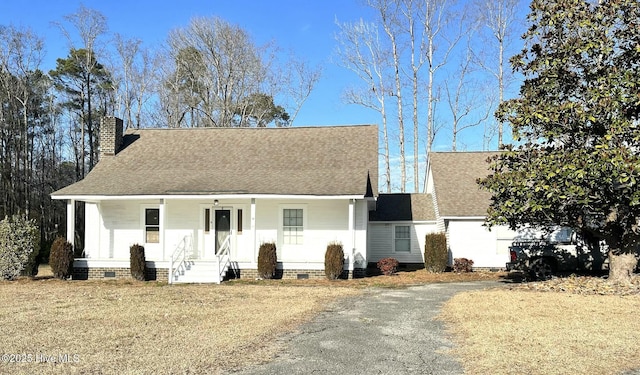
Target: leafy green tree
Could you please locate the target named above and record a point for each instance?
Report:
(577, 127)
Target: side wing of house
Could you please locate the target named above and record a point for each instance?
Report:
(398, 226)
(461, 208)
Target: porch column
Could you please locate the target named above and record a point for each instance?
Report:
(71, 222)
(163, 226)
(254, 236)
(352, 234)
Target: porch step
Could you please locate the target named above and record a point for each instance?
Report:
(200, 271)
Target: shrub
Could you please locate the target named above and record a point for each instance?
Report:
(61, 258)
(267, 260)
(19, 247)
(462, 265)
(334, 261)
(137, 262)
(388, 266)
(436, 255)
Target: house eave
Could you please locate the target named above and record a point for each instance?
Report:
(463, 217)
(98, 198)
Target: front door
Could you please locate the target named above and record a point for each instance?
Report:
(222, 227)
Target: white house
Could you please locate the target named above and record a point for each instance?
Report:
(202, 200)
(461, 208)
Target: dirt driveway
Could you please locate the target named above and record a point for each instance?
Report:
(384, 331)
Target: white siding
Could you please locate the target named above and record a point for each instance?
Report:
(113, 226)
(381, 239)
(470, 239)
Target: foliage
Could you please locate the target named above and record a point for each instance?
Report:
(267, 260)
(461, 265)
(436, 254)
(61, 258)
(388, 266)
(86, 85)
(334, 261)
(19, 246)
(576, 124)
(137, 262)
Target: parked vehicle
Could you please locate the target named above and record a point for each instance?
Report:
(541, 255)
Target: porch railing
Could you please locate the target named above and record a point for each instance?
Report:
(224, 257)
(178, 263)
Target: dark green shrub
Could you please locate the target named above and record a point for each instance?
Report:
(61, 258)
(461, 265)
(267, 260)
(334, 261)
(137, 261)
(19, 247)
(436, 254)
(388, 266)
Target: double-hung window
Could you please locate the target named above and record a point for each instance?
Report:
(402, 238)
(152, 225)
(292, 226)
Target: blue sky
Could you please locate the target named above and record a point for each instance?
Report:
(305, 27)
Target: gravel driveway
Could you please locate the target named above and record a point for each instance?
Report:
(384, 331)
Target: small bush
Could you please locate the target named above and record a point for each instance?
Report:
(436, 255)
(61, 258)
(388, 266)
(462, 265)
(137, 262)
(19, 247)
(267, 260)
(334, 261)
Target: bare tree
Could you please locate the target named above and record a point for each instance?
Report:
(436, 19)
(360, 51)
(135, 78)
(389, 13)
(90, 25)
(462, 99)
(499, 18)
(217, 76)
(298, 81)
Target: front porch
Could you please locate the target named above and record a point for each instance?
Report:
(208, 239)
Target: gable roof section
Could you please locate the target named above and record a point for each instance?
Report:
(333, 160)
(403, 207)
(454, 177)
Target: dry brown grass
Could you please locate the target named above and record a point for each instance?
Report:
(523, 332)
(134, 327)
(399, 280)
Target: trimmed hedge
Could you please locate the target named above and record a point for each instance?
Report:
(334, 261)
(436, 254)
(61, 258)
(267, 260)
(137, 262)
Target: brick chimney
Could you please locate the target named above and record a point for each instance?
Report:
(110, 136)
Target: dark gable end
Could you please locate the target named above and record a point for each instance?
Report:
(454, 176)
(403, 207)
(332, 160)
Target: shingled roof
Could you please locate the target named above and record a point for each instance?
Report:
(456, 190)
(403, 207)
(332, 160)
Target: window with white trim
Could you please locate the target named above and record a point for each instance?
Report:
(292, 226)
(402, 238)
(152, 225)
